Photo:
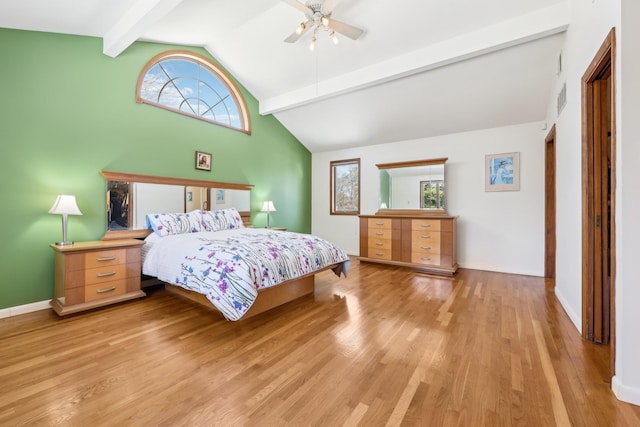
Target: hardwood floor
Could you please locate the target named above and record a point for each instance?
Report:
(385, 346)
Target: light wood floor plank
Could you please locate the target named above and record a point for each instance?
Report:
(385, 346)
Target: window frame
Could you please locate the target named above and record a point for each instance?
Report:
(205, 62)
(333, 208)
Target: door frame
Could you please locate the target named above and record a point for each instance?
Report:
(550, 204)
(604, 58)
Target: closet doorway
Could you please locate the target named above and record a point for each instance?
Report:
(598, 197)
(550, 205)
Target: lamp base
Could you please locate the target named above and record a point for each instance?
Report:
(64, 243)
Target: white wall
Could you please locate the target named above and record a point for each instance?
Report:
(591, 21)
(497, 231)
(626, 382)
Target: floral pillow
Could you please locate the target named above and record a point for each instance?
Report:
(222, 219)
(176, 223)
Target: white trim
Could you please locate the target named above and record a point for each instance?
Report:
(625, 393)
(573, 316)
(24, 309)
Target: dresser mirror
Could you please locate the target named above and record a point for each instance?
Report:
(412, 186)
(130, 197)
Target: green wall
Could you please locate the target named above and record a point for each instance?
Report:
(67, 112)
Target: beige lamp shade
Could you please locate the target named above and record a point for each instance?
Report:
(65, 205)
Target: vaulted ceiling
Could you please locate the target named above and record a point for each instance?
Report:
(422, 67)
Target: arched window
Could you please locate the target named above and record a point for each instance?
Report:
(190, 84)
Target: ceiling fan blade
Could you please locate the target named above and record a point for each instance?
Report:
(329, 5)
(345, 29)
(295, 36)
(301, 7)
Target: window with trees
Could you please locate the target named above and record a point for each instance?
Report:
(345, 187)
(432, 194)
(190, 84)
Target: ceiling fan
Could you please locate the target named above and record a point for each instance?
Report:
(318, 14)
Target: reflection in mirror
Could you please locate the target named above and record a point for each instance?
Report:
(118, 217)
(130, 197)
(414, 185)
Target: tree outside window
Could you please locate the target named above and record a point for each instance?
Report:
(345, 187)
(432, 194)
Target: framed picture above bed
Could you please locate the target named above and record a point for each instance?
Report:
(203, 161)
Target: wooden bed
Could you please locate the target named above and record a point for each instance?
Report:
(268, 298)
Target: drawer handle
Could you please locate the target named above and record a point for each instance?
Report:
(425, 247)
(379, 254)
(425, 225)
(111, 273)
(425, 259)
(379, 223)
(379, 234)
(106, 258)
(379, 244)
(425, 237)
(104, 291)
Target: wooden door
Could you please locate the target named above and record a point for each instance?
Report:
(598, 191)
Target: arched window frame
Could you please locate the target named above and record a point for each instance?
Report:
(210, 66)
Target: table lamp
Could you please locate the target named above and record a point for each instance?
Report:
(268, 208)
(65, 205)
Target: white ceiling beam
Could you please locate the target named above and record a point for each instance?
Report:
(140, 16)
(526, 28)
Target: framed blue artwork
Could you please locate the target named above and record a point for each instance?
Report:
(502, 172)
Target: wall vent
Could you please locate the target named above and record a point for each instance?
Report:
(562, 98)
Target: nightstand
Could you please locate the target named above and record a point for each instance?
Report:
(95, 274)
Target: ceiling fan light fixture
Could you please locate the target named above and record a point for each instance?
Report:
(334, 38)
(300, 28)
(312, 46)
(325, 21)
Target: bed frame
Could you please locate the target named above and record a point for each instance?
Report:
(267, 299)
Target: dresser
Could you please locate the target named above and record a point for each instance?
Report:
(426, 243)
(94, 274)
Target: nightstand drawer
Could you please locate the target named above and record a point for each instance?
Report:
(105, 258)
(105, 274)
(104, 290)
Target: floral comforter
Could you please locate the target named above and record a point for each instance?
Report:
(229, 266)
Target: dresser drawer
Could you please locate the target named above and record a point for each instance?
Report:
(379, 234)
(104, 290)
(380, 253)
(105, 258)
(425, 247)
(424, 258)
(375, 244)
(425, 224)
(424, 237)
(377, 223)
(105, 274)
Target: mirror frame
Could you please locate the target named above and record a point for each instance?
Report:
(155, 179)
(408, 164)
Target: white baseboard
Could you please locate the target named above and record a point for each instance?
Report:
(625, 393)
(24, 309)
(575, 318)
